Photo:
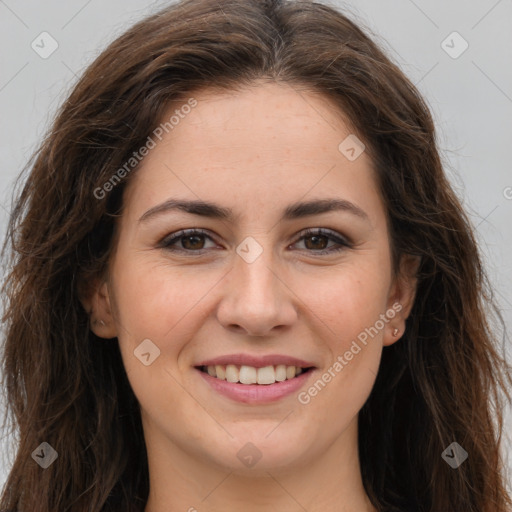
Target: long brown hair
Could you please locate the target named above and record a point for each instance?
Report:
(444, 381)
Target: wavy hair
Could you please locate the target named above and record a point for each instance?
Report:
(444, 381)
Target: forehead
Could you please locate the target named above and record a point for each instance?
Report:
(278, 115)
(257, 146)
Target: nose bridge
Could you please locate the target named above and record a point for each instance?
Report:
(256, 299)
(254, 270)
(258, 278)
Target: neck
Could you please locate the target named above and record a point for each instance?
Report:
(330, 482)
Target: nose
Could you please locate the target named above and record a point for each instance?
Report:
(256, 299)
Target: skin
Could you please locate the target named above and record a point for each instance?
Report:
(255, 151)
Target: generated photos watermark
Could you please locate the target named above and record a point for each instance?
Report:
(304, 397)
(138, 156)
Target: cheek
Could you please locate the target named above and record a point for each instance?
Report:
(154, 300)
(158, 304)
(347, 305)
(347, 298)
(164, 306)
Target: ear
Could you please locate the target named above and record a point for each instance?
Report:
(95, 299)
(401, 298)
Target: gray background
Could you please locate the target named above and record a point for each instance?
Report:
(470, 96)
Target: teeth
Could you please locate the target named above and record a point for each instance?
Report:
(220, 372)
(232, 373)
(266, 375)
(250, 375)
(290, 372)
(280, 372)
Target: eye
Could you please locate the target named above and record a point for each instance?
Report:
(192, 240)
(315, 240)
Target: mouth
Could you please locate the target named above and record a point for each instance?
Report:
(251, 375)
(255, 379)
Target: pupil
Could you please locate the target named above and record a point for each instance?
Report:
(187, 238)
(316, 238)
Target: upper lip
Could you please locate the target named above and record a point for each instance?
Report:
(256, 361)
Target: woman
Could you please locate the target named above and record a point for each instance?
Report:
(241, 280)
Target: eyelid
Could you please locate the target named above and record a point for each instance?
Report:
(341, 240)
(334, 235)
(165, 242)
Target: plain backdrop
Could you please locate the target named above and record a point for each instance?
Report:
(465, 77)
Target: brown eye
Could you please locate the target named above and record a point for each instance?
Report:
(192, 240)
(316, 241)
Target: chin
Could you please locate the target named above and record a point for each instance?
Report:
(254, 450)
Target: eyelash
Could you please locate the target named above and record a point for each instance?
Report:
(170, 240)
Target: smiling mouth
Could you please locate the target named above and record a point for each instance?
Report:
(252, 375)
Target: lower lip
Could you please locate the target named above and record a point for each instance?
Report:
(256, 393)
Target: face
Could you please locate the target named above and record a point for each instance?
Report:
(266, 287)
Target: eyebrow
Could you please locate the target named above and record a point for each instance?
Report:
(293, 211)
